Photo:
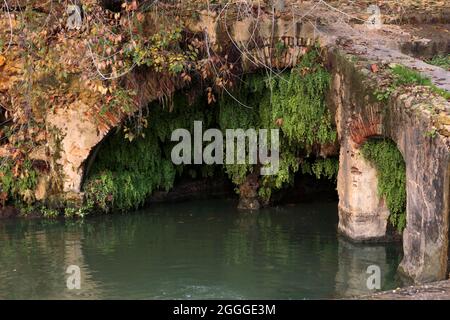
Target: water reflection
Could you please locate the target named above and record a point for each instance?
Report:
(189, 250)
(34, 257)
(354, 261)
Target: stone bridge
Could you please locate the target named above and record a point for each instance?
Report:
(418, 124)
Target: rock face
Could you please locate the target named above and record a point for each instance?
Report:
(425, 239)
(75, 137)
(362, 214)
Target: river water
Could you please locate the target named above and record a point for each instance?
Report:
(192, 250)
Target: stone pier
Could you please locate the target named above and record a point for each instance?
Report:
(363, 215)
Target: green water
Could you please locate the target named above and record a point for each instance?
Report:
(191, 250)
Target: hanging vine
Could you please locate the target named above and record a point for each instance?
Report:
(391, 171)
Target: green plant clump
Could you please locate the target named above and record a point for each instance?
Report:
(125, 172)
(442, 61)
(293, 102)
(296, 104)
(18, 186)
(391, 171)
(322, 168)
(406, 76)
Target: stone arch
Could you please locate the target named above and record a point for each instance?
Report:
(363, 214)
(79, 128)
(425, 239)
(404, 119)
(90, 159)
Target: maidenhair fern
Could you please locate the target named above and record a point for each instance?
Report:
(321, 168)
(297, 100)
(240, 111)
(126, 173)
(391, 171)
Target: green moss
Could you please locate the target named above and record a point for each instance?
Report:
(391, 171)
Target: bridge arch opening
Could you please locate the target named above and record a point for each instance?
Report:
(293, 103)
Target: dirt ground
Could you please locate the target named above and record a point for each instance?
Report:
(431, 291)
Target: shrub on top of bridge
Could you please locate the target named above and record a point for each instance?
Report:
(404, 76)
